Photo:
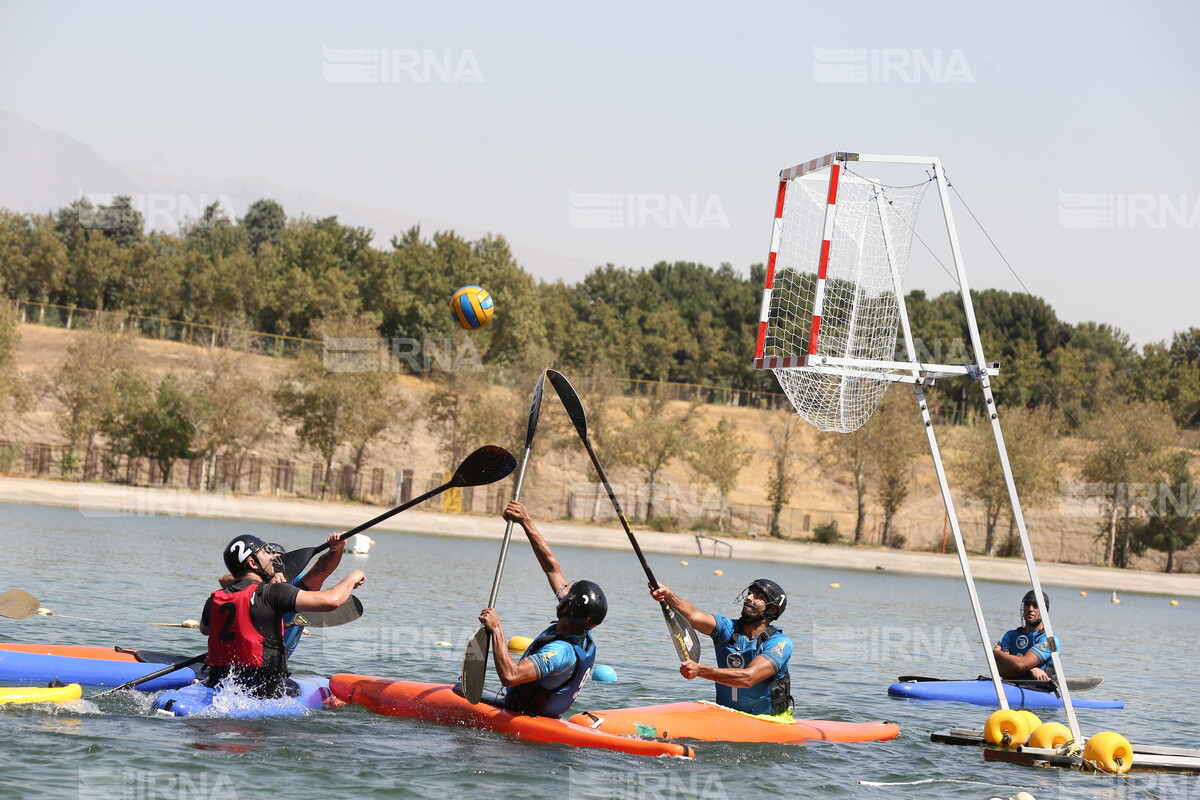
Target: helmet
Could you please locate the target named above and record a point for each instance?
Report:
(1031, 598)
(584, 604)
(239, 550)
(775, 594)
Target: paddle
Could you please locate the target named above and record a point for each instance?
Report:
(683, 635)
(18, 604)
(486, 465)
(1073, 684)
(474, 668)
(348, 611)
(158, 674)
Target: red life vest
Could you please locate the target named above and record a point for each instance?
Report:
(233, 641)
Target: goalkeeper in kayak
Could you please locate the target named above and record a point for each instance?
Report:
(752, 654)
(556, 665)
(1024, 652)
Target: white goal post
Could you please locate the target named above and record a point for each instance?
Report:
(835, 331)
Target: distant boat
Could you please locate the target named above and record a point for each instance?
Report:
(359, 544)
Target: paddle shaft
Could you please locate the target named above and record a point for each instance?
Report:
(147, 678)
(587, 443)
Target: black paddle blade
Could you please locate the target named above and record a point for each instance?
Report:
(295, 561)
(18, 604)
(570, 400)
(683, 635)
(535, 409)
(474, 666)
(348, 611)
(486, 465)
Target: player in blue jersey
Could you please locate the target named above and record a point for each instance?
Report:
(751, 653)
(556, 665)
(1024, 652)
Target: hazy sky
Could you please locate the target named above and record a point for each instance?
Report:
(1068, 127)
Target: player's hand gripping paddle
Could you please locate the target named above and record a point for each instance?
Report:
(486, 465)
(683, 635)
(474, 668)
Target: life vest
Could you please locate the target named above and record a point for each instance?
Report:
(533, 698)
(778, 692)
(233, 641)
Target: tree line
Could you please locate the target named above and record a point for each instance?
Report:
(682, 321)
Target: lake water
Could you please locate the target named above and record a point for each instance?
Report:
(851, 642)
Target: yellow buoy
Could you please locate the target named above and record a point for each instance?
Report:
(442, 644)
(1083, 594)
(683, 563)
(1049, 736)
(835, 586)
(1174, 602)
(372, 541)
(1109, 751)
(1032, 722)
(518, 644)
(1116, 599)
(1006, 727)
(718, 572)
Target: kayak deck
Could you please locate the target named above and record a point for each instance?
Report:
(983, 693)
(37, 667)
(710, 722)
(200, 699)
(438, 702)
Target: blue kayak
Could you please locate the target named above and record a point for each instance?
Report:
(200, 699)
(983, 693)
(43, 668)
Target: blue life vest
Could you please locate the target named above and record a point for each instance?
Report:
(543, 701)
(769, 696)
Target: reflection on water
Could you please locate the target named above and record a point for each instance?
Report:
(850, 643)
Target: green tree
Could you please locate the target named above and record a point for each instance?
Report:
(93, 384)
(1174, 523)
(718, 458)
(1031, 439)
(894, 436)
(155, 426)
(265, 223)
(1126, 444)
(655, 436)
(15, 392)
(785, 434)
(227, 408)
(325, 397)
(466, 411)
(849, 452)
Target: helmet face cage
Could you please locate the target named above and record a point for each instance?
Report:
(773, 592)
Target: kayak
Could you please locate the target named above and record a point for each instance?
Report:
(91, 651)
(104, 667)
(983, 693)
(40, 694)
(438, 702)
(200, 699)
(715, 723)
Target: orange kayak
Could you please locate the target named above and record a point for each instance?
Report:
(437, 702)
(72, 651)
(713, 723)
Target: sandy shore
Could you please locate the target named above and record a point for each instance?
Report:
(109, 500)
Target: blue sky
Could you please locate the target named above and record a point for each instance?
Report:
(509, 111)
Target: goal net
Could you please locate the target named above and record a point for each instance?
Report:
(839, 258)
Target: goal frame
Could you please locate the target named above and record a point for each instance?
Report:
(914, 371)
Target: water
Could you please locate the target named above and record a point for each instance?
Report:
(850, 644)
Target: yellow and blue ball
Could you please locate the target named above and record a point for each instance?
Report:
(472, 307)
